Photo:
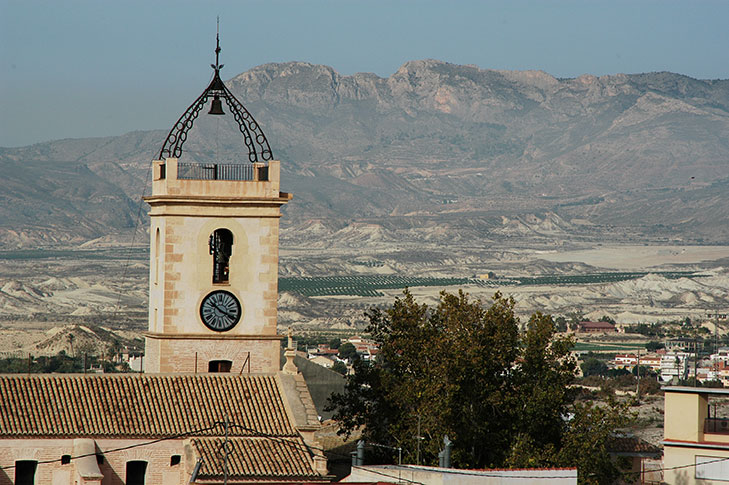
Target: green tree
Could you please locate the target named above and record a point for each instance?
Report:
(335, 343)
(652, 346)
(593, 367)
(561, 324)
(463, 369)
(574, 318)
(586, 441)
(340, 367)
(347, 351)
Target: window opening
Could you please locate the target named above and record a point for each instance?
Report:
(100, 459)
(156, 256)
(221, 247)
(220, 365)
(135, 472)
(25, 472)
(65, 459)
(175, 460)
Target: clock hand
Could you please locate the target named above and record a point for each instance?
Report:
(224, 312)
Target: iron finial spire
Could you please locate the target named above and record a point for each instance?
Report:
(258, 148)
(217, 66)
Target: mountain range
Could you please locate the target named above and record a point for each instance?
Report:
(439, 152)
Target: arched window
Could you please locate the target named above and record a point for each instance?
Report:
(221, 247)
(156, 256)
(136, 471)
(219, 365)
(25, 472)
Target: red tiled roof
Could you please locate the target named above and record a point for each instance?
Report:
(129, 405)
(255, 457)
(631, 446)
(596, 325)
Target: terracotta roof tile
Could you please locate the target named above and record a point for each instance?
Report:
(631, 446)
(132, 405)
(256, 457)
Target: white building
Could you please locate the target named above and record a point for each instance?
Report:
(428, 475)
(674, 364)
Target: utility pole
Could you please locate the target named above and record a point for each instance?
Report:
(696, 357)
(637, 373)
(716, 344)
(418, 438)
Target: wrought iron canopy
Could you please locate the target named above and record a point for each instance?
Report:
(255, 140)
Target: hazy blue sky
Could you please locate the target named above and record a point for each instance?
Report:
(71, 69)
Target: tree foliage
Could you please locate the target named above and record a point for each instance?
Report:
(464, 369)
(60, 363)
(593, 367)
(340, 367)
(652, 346)
(347, 351)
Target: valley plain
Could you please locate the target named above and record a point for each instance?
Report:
(100, 295)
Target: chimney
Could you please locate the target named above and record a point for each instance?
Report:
(358, 456)
(444, 456)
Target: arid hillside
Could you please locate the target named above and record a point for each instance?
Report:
(436, 150)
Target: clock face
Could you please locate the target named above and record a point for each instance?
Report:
(220, 310)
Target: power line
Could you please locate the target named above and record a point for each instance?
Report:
(134, 236)
(128, 447)
(309, 448)
(370, 470)
(677, 467)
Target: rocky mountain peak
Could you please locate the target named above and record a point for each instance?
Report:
(435, 142)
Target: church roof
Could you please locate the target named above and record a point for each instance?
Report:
(141, 406)
(253, 457)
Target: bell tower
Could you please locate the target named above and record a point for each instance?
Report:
(213, 276)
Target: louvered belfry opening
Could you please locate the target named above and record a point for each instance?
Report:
(221, 248)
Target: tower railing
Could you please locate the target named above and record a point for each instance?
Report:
(222, 171)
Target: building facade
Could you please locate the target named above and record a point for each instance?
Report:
(696, 442)
(213, 405)
(154, 429)
(214, 270)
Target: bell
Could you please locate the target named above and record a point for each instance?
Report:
(216, 108)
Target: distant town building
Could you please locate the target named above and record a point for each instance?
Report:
(721, 369)
(651, 360)
(322, 350)
(674, 364)
(721, 355)
(629, 361)
(625, 360)
(323, 361)
(681, 344)
(366, 349)
(133, 358)
(596, 327)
